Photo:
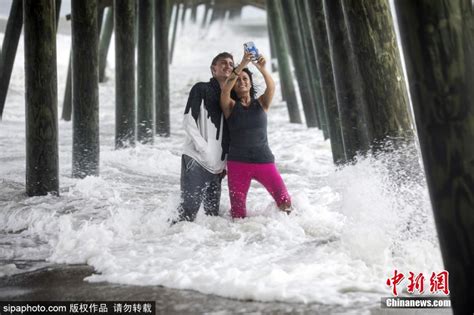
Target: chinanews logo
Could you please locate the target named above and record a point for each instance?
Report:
(419, 291)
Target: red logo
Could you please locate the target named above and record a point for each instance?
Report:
(416, 282)
(439, 282)
(394, 281)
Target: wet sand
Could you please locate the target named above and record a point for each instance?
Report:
(65, 283)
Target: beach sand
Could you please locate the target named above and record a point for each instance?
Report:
(66, 283)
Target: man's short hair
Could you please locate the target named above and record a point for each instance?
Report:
(222, 55)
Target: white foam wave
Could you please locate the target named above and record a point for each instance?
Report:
(351, 227)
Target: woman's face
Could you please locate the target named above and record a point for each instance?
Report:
(243, 84)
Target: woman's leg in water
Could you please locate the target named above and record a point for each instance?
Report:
(267, 174)
(239, 177)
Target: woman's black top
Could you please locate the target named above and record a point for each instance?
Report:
(248, 134)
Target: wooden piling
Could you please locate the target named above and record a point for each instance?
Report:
(194, 6)
(175, 30)
(273, 54)
(207, 9)
(218, 12)
(42, 166)
(346, 81)
(100, 18)
(312, 67)
(235, 13)
(183, 14)
(373, 40)
(281, 49)
(145, 132)
(67, 101)
(439, 55)
(297, 54)
(271, 40)
(85, 88)
(57, 8)
(9, 47)
(162, 98)
(328, 92)
(105, 38)
(124, 25)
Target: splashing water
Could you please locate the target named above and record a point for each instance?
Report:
(351, 228)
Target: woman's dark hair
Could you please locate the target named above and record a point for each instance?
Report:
(253, 92)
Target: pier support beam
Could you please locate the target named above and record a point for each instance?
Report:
(124, 17)
(9, 47)
(439, 53)
(145, 132)
(85, 88)
(42, 166)
(162, 94)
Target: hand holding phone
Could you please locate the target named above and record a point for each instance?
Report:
(251, 48)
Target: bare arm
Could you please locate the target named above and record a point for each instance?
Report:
(226, 102)
(266, 98)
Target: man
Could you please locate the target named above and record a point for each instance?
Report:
(206, 143)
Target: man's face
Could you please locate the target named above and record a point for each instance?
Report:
(223, 68)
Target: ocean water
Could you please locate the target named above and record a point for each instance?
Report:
(351, 229)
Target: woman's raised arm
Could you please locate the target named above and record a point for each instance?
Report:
(266, 98)
(226, 102)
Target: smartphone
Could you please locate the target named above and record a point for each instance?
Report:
(251, 48)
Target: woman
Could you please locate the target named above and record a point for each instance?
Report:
(249, 155)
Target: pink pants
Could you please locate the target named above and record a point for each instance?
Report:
(239, 176)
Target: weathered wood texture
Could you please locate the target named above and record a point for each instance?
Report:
(124, 25)
(373, 40)
(176, 9)
(297, 54)
(284, 70)
(145, 104)
(328, 92)
(42, 166)
(311, 65)
(272, 55)
(9, 47)
(439, 53)
(67, 101)
(104, 43)
(85, 88)
(347, 82)
(162, 94)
